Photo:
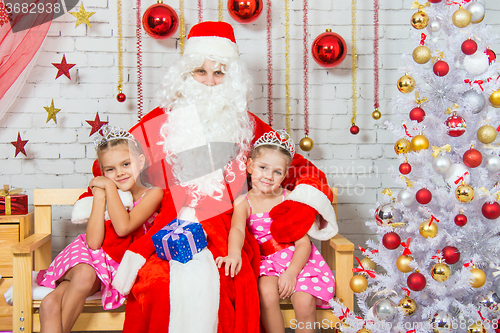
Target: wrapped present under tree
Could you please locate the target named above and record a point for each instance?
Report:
(13, 202)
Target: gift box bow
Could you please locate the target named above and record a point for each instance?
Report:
(175, 229)
(6, 193)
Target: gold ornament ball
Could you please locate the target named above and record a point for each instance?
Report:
(477, 327)
(495, 99)
(403, 263)
(376, 114)
(464, 193)
(364, 330)
(462, 18)
(402, 146)
(486, 134)
(421, 54)
(440, 272)
(408, 305)
(358, 283)
(419, 142)
(368, 264)
(406, 84)
(428, 231)
(419, 20)
(478, 278)
(306, 143)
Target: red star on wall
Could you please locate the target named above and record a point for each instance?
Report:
(96, 124)
(19, 144)
(63, 67)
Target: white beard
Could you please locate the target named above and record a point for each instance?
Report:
(206, 117)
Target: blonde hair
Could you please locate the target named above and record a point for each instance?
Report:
(257, 151)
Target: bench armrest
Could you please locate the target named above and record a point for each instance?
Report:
(30, 244)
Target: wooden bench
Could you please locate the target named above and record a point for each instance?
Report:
(35, 253)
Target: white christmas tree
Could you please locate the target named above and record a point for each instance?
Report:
(434, 266)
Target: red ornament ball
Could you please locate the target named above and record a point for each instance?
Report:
(460, 220)
(491, 210)
(121, 97)
(491, 55)
(405, 168)
(391, 240)
(472, 158)
(451, 255)
(469, 47)
(244, 11)
(329, 49)
(416, 281)
(441, 68)
(423, 196)
(456, 125)
(354, 129)
(160, 21)
(435, 1)
(417, 114)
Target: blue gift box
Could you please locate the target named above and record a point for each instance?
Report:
(179, 240)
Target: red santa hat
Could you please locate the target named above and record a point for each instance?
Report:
(212, 39)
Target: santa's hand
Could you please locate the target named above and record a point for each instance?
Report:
(291, 220)
(127, 272)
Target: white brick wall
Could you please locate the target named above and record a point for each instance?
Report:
(61, 155)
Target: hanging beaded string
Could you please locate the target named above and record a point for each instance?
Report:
(182, 23)
(354, 65)
(269, 63)
(376, 113)
(306, 71)
(120, 45)
(287, 65)
(221, 8)
(138, 35)
(200, 11)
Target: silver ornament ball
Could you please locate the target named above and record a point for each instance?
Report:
(493, 163)
(475, 100)
(441, 164)
(477, 11)
(387, 214)
(406, 198)
(440, 322)
(434, 26)
(385, 309)
(489, 302)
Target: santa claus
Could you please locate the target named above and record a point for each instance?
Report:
(197, 144)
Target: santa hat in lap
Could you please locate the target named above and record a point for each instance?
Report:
(212, 39)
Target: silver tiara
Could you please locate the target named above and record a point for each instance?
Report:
(278, 138)
(109, 133)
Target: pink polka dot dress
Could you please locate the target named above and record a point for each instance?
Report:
(105, 267)
(316, 278)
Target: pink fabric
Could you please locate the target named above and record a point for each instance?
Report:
(17, 50)
(316, 278)
(105, 267)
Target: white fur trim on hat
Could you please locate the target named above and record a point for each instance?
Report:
(83, 207)
(313, 197)
(212, 46)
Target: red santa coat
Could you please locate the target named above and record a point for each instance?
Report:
(148, 304)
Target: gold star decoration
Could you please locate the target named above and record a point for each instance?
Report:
(82, 16)
(52, 111)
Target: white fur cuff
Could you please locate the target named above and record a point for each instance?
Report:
(313, 197)
(126, 273)
(81, 210)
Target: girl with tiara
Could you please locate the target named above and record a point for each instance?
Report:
(295, 270)
(89, 263)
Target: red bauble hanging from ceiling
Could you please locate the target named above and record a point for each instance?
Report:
(160, 21)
